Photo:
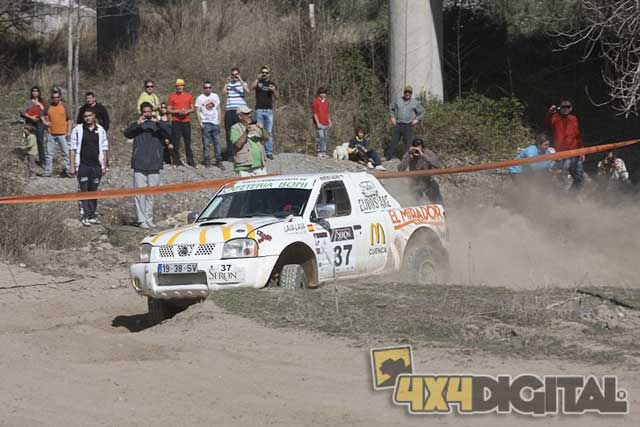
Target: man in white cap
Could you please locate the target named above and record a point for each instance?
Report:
(248, 138)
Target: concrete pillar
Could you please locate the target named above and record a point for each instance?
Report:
(415, 47)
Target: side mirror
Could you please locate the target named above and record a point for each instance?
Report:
(325, 210)
(191, 217)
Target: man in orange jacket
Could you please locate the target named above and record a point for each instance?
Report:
(566, 136)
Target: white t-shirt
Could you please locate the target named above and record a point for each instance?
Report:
(208, 115)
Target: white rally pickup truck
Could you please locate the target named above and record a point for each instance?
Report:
(292, 231)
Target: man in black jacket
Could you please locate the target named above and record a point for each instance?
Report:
(420, 158)
(149, 136)
(100, 111)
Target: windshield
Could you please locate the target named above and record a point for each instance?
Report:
(278, 202)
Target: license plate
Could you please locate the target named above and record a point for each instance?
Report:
(178, 268)
(225, 273)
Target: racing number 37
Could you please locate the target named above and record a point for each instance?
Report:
(342, 255)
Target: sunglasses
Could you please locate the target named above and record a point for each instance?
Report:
(35, 90)
(55, 97)
(264, 72)
(208, 87)
(88, 115)
(149, 86)
(407, 91)
(565, 106)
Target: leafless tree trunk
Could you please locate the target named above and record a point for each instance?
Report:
(611, 29)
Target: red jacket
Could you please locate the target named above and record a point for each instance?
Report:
(565, 131)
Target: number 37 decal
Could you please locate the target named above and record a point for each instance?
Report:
(342, 254)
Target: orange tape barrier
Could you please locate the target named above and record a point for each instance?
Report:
(217, 183)
(120, 193)
(507, 163)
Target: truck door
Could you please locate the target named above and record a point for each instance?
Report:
(347, 237)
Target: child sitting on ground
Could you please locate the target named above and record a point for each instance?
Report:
(30, 147)
(359, 151)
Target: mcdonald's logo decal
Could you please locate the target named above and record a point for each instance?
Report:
(377, 234)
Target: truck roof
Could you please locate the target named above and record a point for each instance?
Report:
(302, 181)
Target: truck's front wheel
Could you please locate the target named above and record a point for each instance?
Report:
(292, 276)
(160, 310)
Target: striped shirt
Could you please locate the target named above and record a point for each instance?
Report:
(235, 96)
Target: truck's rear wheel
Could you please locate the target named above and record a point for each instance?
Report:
(160, 310)
(423, 267)
(292, 276)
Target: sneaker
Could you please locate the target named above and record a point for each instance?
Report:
(85, 222)
(193, 165)
(322, 155)
(143, 225)
(270, 156)
(44, 174)
(65, 174)
(93, 221)
(370, 165)
(380, 168)
(220, 165)
(151, 224)
(206, 164)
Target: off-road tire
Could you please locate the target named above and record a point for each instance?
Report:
(292, 276)
(160, 310)
(424, 266)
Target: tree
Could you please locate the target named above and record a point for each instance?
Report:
(17, 15)
(610, 29)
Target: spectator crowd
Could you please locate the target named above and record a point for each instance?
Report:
(162, 128)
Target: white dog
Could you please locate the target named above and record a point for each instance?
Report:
(341, 152)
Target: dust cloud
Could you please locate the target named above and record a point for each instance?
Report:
(530, 235)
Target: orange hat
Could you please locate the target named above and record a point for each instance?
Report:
(179, 82)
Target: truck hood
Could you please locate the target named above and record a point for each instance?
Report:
(213, 231)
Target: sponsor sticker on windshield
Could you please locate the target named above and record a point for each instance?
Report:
(299, 183)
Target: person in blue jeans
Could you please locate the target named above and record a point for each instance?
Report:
(209, 114)
(266, 92)
(320, 109)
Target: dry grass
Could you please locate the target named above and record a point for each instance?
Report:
(498, 320)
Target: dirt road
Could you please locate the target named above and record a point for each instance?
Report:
(67, 357)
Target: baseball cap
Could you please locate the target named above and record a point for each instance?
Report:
(243, 110)
(417, 141)
(408, 88)
(179, 82)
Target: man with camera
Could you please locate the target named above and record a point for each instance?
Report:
(235, 89)
(248, 139)
(266, 91)
(420, 158)
(566, 136)
(149, 135)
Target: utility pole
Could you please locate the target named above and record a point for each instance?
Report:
(415, 47)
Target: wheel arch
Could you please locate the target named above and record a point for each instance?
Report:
(298, 253)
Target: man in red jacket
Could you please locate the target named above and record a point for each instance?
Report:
(566, 136)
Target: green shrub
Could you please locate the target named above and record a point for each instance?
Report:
(475, 127)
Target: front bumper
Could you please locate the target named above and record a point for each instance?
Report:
(212, 275)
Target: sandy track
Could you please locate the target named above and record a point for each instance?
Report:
(62, 362)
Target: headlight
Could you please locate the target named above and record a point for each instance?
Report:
(145, 252)
(240, 248)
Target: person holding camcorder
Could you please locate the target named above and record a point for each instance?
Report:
(420, 158)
